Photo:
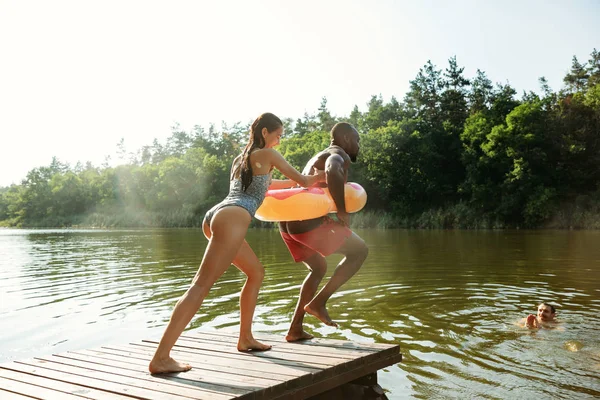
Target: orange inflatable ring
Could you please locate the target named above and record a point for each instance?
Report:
(298, 204)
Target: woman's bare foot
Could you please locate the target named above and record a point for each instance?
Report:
(158, 366)
(296, 335)
(321, 313)
(252, 345)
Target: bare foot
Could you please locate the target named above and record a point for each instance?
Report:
(158, 366)
(321, 313)
(252, 345)
(297, 335)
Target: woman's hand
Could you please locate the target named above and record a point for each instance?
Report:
(317, 176)
(322, 176)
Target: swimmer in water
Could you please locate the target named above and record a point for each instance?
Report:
(545, 317)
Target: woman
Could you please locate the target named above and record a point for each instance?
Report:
(225, 226)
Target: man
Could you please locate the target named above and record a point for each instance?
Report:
(310, 241)
(545, 317)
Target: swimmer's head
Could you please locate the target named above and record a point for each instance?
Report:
(546, 312)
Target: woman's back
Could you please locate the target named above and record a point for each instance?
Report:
(249, 199)
(259, 161)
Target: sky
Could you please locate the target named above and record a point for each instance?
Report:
(78, 76)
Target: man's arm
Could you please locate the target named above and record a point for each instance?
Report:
(336, 173)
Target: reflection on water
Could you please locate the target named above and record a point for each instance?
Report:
(449, 298)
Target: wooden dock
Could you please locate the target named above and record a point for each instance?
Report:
(300, 370)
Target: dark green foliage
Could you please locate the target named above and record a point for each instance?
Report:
(455, 153)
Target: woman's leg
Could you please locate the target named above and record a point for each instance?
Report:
(250, 265)
(228, 229)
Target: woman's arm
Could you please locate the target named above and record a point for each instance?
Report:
(282, 184)
(277, 160)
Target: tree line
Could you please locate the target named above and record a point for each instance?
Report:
(455, 152)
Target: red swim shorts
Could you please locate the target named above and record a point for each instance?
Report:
(325, 240)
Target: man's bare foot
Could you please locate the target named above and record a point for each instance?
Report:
(297, 335)
(158, 366)
(321, 313)
(252, 345)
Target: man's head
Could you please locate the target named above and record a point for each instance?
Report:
(346, 136)
(546, 312)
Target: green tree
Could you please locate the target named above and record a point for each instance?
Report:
(326, 120)
(522, 150)
(379, 114)
(576, 79)
(305, 125)
(297, 150)
(480, 95)
(593, 69)
(178, 142)
(356, 118)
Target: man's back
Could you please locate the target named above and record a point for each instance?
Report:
(318, 162)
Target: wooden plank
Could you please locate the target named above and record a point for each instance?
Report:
(35, 391)
(260, 386)
(143, 379)
(296, 348)
(60, 386)
(338, 364)
(5, 394)
(237, 356)
(304, 378)
(309, 360)
(294, 370)
(323, 342)
(133, 369)
(98, 381)
(329, 365)
(243, 363)
(323, 372)
(141, 360)
(334, 366)
(245, 366)
(348, 376)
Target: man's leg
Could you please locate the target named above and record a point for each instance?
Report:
(317, 266)
(355, 251)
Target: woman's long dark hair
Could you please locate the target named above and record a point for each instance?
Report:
(256, 141)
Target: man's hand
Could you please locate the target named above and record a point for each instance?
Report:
(531, 321)
(344, 218)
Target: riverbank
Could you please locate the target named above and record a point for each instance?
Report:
(459, 216)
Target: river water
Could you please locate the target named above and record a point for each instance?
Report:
(451, 299)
